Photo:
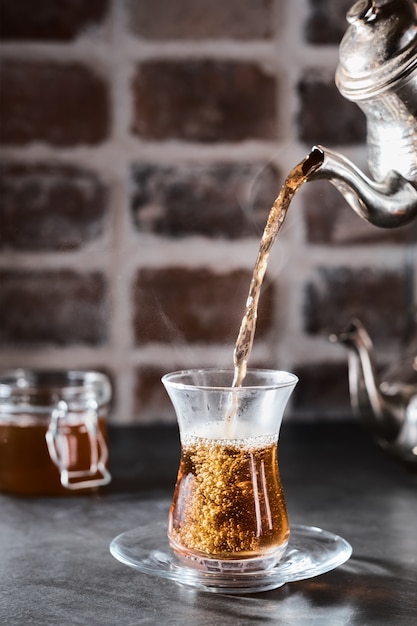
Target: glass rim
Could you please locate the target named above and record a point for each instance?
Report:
(290, 379)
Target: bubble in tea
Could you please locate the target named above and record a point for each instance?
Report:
(228, 501)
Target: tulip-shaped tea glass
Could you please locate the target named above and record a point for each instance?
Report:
(228, 513)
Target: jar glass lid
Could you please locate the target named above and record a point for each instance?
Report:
(41, 389)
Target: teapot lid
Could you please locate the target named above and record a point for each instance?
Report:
(378, 48)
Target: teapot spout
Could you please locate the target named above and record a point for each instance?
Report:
(387, 204)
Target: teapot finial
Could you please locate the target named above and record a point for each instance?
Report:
(378, 70)
(362, 10)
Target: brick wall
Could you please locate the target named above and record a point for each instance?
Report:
(142, 144)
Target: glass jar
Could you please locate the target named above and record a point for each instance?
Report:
(53, 431)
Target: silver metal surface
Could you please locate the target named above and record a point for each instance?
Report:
(378, 70)
(387, 404)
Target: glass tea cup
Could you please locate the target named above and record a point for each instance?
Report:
(228, 512)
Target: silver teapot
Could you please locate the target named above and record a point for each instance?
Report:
(387, 404)
(378, 70)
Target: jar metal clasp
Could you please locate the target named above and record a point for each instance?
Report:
(59, 442)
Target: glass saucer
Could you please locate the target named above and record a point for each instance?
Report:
(311, 551)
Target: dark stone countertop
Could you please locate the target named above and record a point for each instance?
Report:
(56, 568)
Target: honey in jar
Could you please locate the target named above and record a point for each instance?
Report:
(53, 431)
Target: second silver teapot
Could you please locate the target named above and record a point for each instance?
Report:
(387, 404)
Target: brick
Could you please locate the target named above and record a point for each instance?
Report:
(322, 391)
(48, 307)
(58, 103)
(203, 100)
(51, 21)
(46, 206)
(177, 305)
(326, 117)
(326, 23)
(221, 200)
(151, 401)
(197, 19)
(330, 220)
(381, 299)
